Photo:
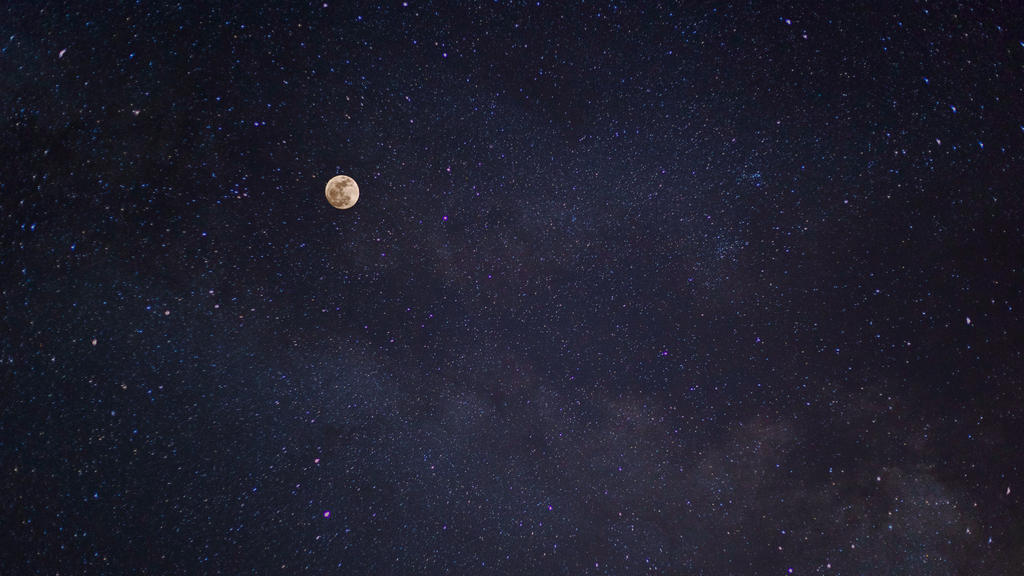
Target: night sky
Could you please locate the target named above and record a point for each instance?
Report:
(630, 288)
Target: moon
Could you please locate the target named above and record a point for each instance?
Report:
(342, 192)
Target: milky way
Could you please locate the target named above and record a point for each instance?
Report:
(630, 289)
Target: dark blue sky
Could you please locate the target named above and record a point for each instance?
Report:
(630, 288)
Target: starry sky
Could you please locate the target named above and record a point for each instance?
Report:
(631, 288)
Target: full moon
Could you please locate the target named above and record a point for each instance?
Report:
(342, 192)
